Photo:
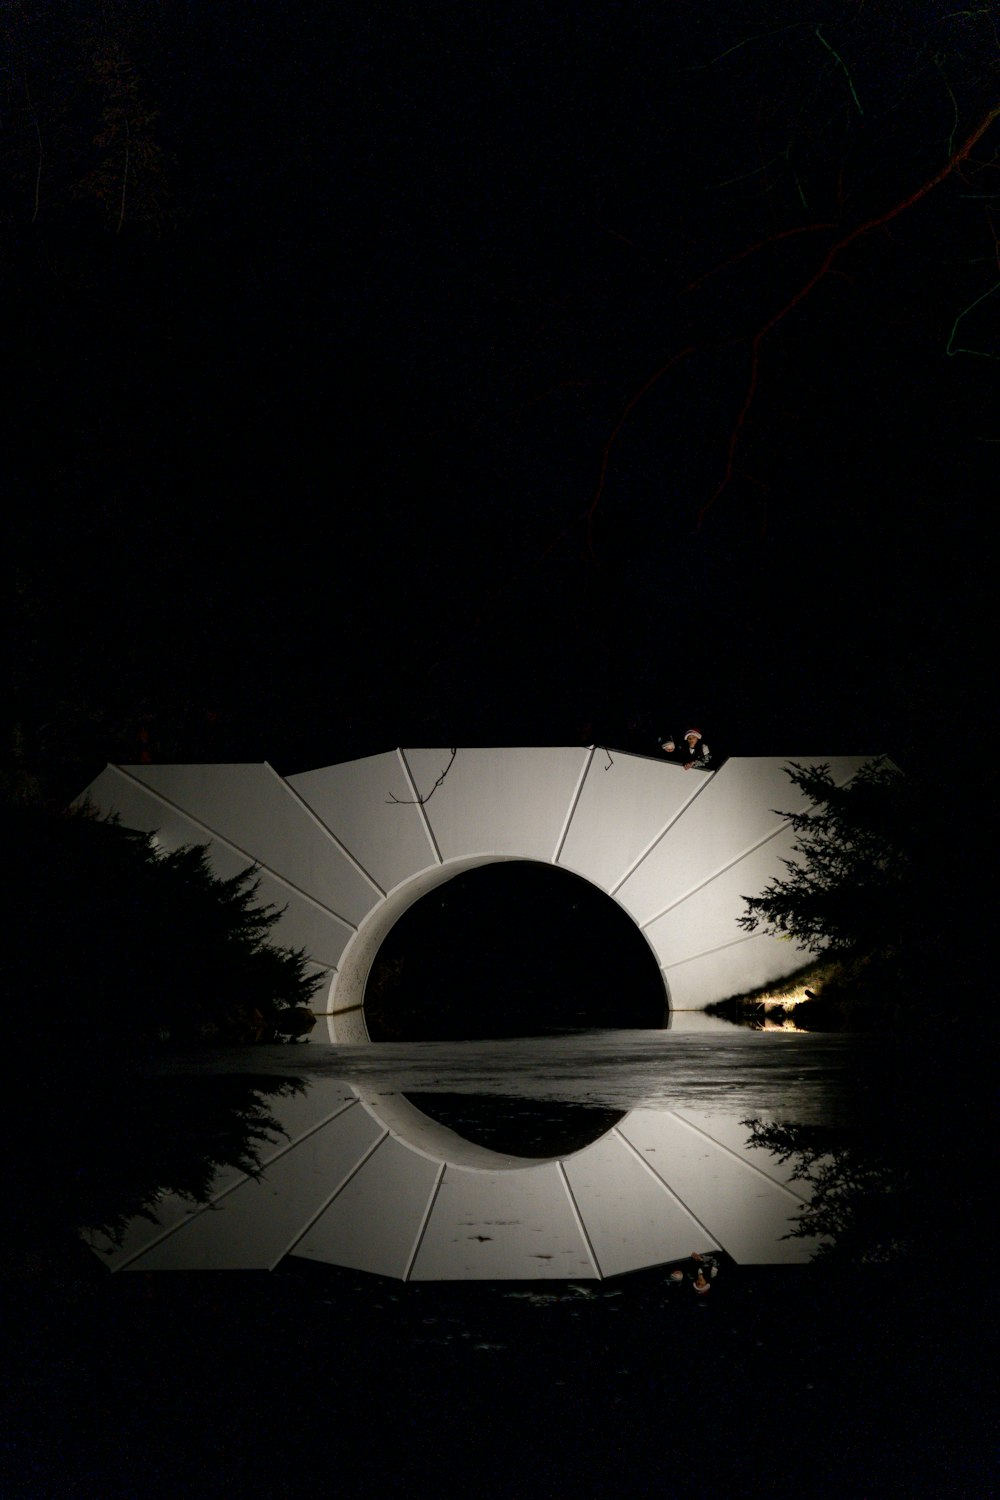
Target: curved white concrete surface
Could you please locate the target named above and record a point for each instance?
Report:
(345, 850)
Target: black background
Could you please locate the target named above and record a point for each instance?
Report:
(308, 444)
(394, 409)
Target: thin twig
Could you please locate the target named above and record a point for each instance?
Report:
(419, 801)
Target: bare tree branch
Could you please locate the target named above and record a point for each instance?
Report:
(419, 801)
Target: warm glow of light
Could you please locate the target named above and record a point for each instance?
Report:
(787, 1004)
(797, 998)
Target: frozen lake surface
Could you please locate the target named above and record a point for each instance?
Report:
(795, 1076)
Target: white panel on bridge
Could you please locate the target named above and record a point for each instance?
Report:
(303, 923)
(626, 805)
(297, 1115)
(370, 805)
(395, 1177)
(259, 1222)
(741, 965)
(678, 850)
(632, 1217)
(703, 921)
(749, 1212)
(503, 1226)
(499, 802)
(345, 850)
(254, 810)
(726, 1130)
(738, 808)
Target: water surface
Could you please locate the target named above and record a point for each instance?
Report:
(796, 1076)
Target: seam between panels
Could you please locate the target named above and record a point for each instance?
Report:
(336, 1193)
(752, 1165)
(244, 1177)
(325, 828)
(578, 1216)
(672, 1192)
(573, 804)
(428, 830)
(220, 838)
(676, 963)
(425, 1221)
(750, 849)
(706, 781)
(722, 870)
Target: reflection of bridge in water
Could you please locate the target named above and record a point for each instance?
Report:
(364, 1178)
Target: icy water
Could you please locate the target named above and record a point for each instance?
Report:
(788, 1381)
(794, 1076)
(451, 1193)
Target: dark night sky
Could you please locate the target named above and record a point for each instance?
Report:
(313, 466)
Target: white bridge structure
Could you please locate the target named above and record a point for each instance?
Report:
(370, 1182)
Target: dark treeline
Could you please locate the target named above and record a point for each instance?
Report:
(882, 891)
(127, 954)
(899, 943)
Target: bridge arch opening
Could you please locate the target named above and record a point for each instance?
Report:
(515, 948)
(491, 949)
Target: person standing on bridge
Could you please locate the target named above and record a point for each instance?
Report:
(697, 756)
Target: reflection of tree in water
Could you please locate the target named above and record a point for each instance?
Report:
(115, 1144)
(865, 1202)
(898, 947)
(129, 953)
